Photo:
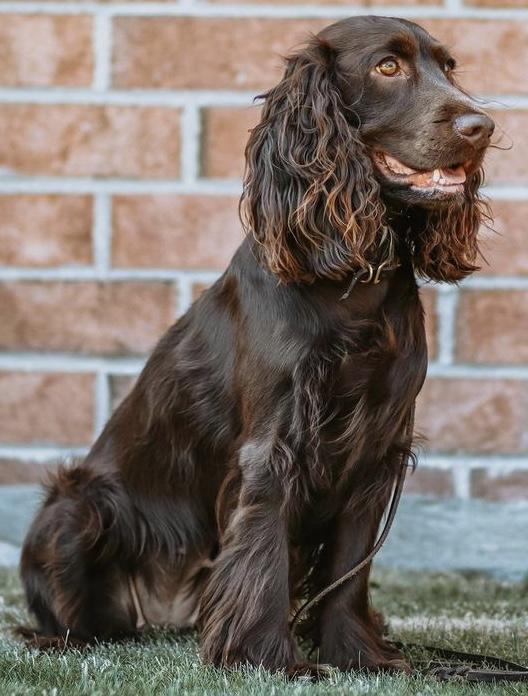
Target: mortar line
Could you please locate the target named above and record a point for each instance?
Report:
(214, 187)
(185, 9)
(101, 231)
(475, 371)
(490, 282)
(102, 51)
(494, 464)
(446, 311)
(177, 97)
(40, 453)
(103, 271)
(190, 134)
(102, 401)
(184, 298)
(71, 362)
(453, 6)
(118, 275)
(139, 97)
(202, 186)
(498, 465)
(461, 480)
(67, 362)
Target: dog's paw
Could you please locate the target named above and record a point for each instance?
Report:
(397, 664)
(309, 671)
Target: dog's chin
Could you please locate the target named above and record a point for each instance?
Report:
(434, 188)
(429, 199)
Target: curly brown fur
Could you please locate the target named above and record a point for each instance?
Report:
(253, 459)
(446, 249)
(310, 196)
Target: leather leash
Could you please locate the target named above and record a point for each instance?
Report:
(392, 509)
(396, 495)
(505, 670)
(464, 667)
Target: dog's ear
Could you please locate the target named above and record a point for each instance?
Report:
(310, 197)
(446, 248)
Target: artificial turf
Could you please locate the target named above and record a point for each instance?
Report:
(463, 611)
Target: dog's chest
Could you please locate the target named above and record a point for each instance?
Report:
(375, 386)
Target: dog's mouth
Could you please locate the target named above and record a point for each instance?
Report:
(445, 180)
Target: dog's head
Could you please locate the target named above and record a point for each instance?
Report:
(367, 135)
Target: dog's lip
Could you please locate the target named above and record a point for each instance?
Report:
(449, 179)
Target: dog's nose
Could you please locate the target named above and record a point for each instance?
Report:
(477, 129)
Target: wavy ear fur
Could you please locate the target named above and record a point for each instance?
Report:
(447, 246)
(310, 197)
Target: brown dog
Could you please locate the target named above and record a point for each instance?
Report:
(254, 457)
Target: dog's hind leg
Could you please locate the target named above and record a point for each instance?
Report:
(74, 559)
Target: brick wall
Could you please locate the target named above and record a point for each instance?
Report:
(122, 127)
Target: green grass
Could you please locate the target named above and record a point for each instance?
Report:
(163, 663)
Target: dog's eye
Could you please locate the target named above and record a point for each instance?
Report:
(388, 67)
(449, 65)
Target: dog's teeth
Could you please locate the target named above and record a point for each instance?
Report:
(436, 176)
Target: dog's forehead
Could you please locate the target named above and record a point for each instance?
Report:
(372, 33)
(428, 44)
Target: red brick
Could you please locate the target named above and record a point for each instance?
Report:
(198, 289)
(491, 53)
(46, 408)
(499, 4)
(242, 53)
(120, 386)
(429, 481)
(14, 471)
(469, 415)
(99, 141)
(512, 485)
(45, 50)
(493, 326)
(509, 165)
(187, 231)
(113, 318)
(225, 131)
(204, 53)
(39, 230)
(505, 246)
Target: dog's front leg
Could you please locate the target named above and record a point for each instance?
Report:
(245, 606)
(349, 634)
